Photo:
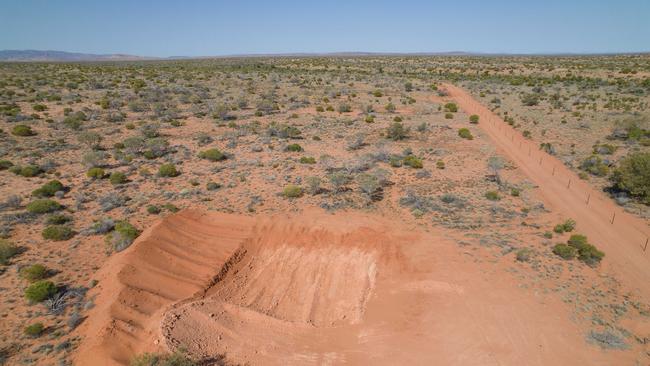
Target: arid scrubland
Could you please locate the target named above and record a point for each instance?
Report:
(91, 154)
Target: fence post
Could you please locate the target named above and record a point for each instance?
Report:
(569, 184)
(588, 197)
(613, 216)
(646, 244)
(553, 170)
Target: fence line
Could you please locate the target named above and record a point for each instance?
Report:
(498, 125)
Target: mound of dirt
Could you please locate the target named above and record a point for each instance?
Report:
(319, 289)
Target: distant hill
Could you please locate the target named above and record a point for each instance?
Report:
(34, 55)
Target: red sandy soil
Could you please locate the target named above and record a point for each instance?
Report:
(321, 289)
(619, 234)
(352, 288)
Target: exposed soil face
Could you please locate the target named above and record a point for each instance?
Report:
(318, 288)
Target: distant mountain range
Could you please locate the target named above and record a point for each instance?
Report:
(62, 56)
(34, 55)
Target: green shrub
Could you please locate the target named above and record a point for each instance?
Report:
(307, 160)
(39, 107)
(43, 206)
(633, 176)
(117, 178)
(122, 236)
(451, 107)
(58, 232)
(178, 358)
(567, 226)
(34, 330)
(292, 191)
(396, 131)
(27, 171)
(586, 252)
(473, 118)
(7, 251)
(57, 219)
(48, 189)
(96, 173)
(212, 155)
(413, 161)
(35, 272)
(22, 130)
(168, 170)
(153, 210)
(515, 192)
(212, 186)
(40, 291)
(294, 148)
(595, 165)
(524, 254)
(390, 107)
(465, 133)
(171, 207)
(565, 251)
(492, 195)
(370, 118)
(5, 164)
(449, 116)
(345, 108)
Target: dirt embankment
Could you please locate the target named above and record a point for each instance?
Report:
(317, 288)
(619, 234)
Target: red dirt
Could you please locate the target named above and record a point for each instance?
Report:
(322, 289)
(563, 191)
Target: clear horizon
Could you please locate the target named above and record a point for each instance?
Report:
(217, 28)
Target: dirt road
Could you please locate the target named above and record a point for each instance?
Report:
(620, 235)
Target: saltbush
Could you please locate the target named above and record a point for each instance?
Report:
(7, 251)
(122, 236)
(473, 118)
(117, 178)
(292, 191)
(34, 330)
(564, 251)
(212, 155)
(58, 232)
(168, 170)
(43, 206)
(294, 148)
(413, 161)
(22, 130)
(48, 189)
(40, 291)
(96, 173)
(633, 176)
(465, 133)
(35, 272)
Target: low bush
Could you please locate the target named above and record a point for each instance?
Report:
(465, 133)
(397, 131)
(122, 236)
(473, 118)
(524, 254)
(449, 116)
(413, 161)
(178, 358)
(451, 107)
(43, 206)
(22, 130)
(212, 186)
(586, 252)
(48, 189)
(564, 251)
(34, 330)
(492, 195)
(96, 173)
(5, 164)
(33, 273)
(58, 232)
(40, 291)
(294, 148)
(153, 210)
(168, 170)
(27, 171)
(7, 251)
(440, 164)
(565, 227)
(292, 191)
(307, 160)
(633, 176)
(117, 178)
(212, 155)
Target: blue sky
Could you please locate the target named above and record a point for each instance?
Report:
(195, 28)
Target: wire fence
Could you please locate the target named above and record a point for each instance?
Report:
(556, 177)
